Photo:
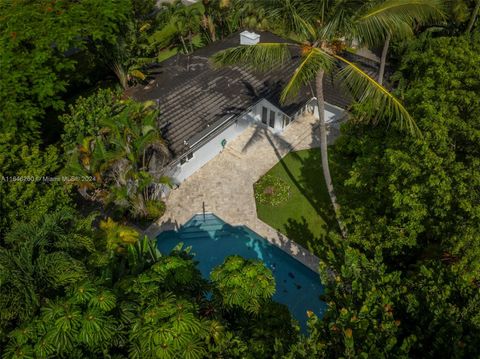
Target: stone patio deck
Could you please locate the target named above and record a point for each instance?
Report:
(225, 184)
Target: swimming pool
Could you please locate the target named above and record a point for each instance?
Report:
(212, 240)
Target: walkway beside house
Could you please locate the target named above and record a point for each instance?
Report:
(225, 184)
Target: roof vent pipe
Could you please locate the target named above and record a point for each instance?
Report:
(249, 38)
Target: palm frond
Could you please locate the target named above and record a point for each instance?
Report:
(419, 10)
(336, 26)
(262, 56)
(296, 16)
(137, 74)
(314, 60)
(365, 89)
(121, 74)
(395, 17)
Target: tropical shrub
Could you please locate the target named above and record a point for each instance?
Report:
(40, 258)
(243, 283)
(155, 209)
(114, 164)
(29, 183)
(84, 118)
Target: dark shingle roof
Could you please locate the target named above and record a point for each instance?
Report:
(193, 96)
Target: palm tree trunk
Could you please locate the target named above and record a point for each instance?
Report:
(474, 17)
(183, 43)
(383, 59)
(190, 39)
(213, 30)
(324, 148)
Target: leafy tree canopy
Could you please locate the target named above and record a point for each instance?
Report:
(29, 187)
(417, 200)
(39, 41)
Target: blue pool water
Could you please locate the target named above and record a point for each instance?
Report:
(212, 240)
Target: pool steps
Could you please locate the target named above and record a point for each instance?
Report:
(211, 224)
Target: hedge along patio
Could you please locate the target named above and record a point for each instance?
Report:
(305, 215)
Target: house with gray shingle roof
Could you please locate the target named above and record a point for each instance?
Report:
(203, 108)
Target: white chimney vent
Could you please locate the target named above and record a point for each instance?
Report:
(249, 38)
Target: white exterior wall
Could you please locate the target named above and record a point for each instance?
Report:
(257, 114)
(332, 113)
(208, 151)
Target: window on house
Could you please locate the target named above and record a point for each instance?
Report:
(186, 158)
(272, 119)
(264, 115)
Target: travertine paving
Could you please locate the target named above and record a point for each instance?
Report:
(225, 184)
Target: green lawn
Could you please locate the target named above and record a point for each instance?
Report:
(307, 215)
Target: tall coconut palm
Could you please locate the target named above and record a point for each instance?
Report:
(321, 36)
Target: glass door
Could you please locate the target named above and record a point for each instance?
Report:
(264, 115)
(272, 119)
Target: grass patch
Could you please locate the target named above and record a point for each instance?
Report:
(166, 54)
(172, 51)
(306, 216)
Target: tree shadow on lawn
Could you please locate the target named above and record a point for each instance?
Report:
(321, 246)
(314, 191)
(311, 185)
(314, 187)
(309, 180)
(300, 231)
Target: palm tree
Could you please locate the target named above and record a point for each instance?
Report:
(130, 53)
(187, 22)
(39, 259)
(322, 30)
(126, 159)
(400, 21)
(134, 142)
(219, 18)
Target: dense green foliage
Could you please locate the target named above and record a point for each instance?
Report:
(27, 182)
(68, 290)
(417, 201)
(39, 42)
(119, 154)
(429, 185)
